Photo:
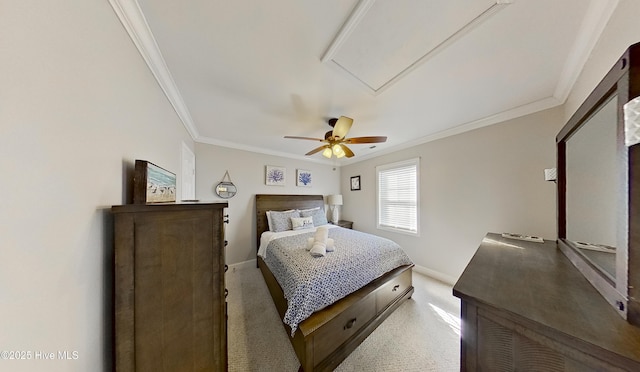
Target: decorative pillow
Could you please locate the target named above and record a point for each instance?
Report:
(268, 213)
(281, 221)
(299, 223)
(318, 215)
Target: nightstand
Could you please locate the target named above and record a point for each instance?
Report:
(344, 223)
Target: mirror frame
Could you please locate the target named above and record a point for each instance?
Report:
(226, 194)
(623, 294)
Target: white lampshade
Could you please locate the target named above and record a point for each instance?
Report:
(334, 200)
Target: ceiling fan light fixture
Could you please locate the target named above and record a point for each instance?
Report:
(337, 150)
(335, 141)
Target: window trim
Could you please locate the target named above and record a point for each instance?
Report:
(399, 164)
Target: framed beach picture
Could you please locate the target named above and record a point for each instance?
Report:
(152, 184)
(303, 178)
(275, 176)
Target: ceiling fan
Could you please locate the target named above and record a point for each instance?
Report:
(335, 140)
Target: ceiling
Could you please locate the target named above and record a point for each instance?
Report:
(244, 74)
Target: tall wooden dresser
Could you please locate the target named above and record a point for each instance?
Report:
(169, 287)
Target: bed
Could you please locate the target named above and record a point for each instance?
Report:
(326, 337)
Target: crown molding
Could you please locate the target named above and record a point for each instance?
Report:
(595, 20)
(135, 23)
(514, 113)
(263, 151)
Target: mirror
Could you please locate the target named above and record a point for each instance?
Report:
(599, 190)
(592, 188)
(226, 190)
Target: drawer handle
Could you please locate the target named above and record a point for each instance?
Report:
(395, 288)
(226, 293)
(350, 324)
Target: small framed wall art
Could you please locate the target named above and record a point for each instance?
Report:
(275, 176)
(303, 178)
(355, 183)
(152, 184)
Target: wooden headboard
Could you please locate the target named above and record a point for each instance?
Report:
(265, 202)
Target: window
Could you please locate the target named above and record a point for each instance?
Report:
(398, 196)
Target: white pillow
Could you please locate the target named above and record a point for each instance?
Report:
(269, 223)
(299, 223)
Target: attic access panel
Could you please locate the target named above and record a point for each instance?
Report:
(384, 40)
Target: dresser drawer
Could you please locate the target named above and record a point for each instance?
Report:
(343, 326)
(392, 290)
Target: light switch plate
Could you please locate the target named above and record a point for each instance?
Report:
(551, 174)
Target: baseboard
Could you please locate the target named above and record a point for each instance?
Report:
(435, 275)
(242, 265)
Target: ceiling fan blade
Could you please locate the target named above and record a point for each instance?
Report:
(372, 139)
(347, 151)
(318, 149)
(342, 127)
(305, 138)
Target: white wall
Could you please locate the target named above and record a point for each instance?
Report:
(486, 180)
(247, 171)
(77, 106)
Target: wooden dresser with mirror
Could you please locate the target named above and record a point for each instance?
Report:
(571, 304)
(599, 190)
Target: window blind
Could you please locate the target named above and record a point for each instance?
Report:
(398, 196)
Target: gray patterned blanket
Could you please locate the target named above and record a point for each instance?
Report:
(312, 283)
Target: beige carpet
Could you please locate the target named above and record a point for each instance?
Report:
(421, 335)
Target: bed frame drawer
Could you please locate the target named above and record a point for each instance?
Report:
(395, 288)
(343, 326)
